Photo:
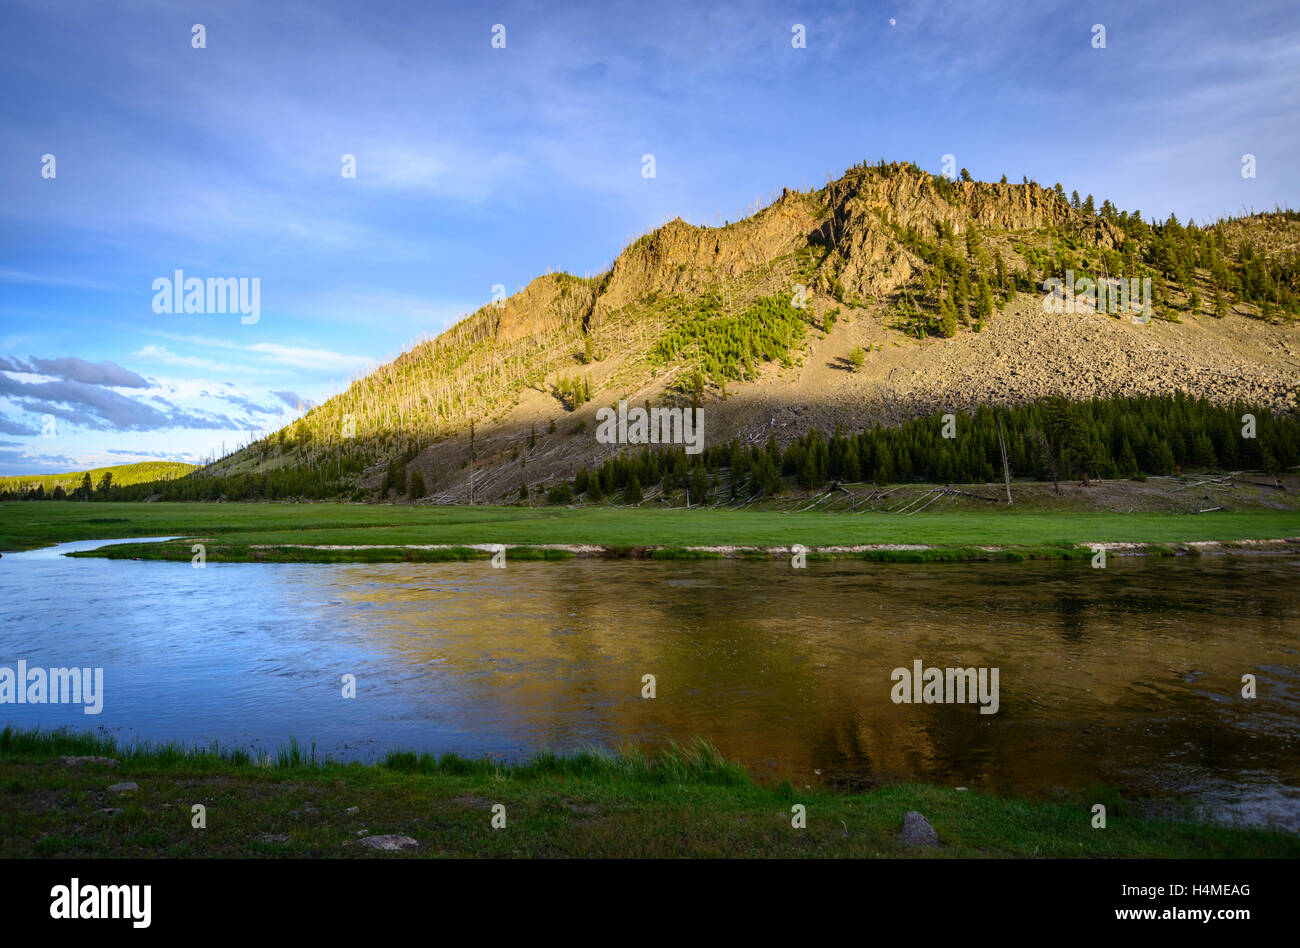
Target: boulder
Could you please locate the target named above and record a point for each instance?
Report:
(388, 843)
(917, 831)
(75, 761)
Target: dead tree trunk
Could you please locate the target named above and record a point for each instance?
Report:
(1006, 468)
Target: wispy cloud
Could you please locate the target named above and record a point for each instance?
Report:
(73, 369)
(163, 355)
(298, 357)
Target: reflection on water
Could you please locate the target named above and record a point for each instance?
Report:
(1129, 677)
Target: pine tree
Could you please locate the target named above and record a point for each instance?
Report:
(699, 485)
(1204, 452)
(632, 493)
(947, 319)
(1220, 303)
(1128, 464)
(1163, 462)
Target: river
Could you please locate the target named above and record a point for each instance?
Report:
(1128, 677)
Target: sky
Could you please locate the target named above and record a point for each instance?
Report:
(493, 142)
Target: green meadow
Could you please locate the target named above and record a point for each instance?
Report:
(236, 527)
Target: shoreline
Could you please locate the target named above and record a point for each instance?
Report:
(328, 533)
(216, 550)
(83, 795)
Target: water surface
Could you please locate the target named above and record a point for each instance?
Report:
(1128, 677)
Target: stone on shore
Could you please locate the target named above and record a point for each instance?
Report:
(917, 830)
(388, 843)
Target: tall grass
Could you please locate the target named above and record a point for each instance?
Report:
(697, 762)
(38, 743)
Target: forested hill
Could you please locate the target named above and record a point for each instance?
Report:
(886, 294)
(83, 484)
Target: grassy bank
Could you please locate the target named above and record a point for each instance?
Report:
(235, 529)
(182, 552)
(684, 802)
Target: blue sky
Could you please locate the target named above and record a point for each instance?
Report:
(478, 166)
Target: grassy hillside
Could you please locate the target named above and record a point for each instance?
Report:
(697, 314)
(121, 475)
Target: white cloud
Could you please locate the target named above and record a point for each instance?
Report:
(298, 357)
(162, 354)
(303, 358)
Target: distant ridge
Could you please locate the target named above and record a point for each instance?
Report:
(122, 474)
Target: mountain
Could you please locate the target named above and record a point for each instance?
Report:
(885, 294)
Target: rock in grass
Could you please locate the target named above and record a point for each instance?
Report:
(388, 843)
(917, 830)
(111, 811)
(124, 787)
(273, 838)
(74, 761)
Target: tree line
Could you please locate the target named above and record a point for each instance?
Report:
(1048, 439)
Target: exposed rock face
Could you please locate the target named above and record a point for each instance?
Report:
(681, 258)
(849, 217)
(872, 263)
(547, 303)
